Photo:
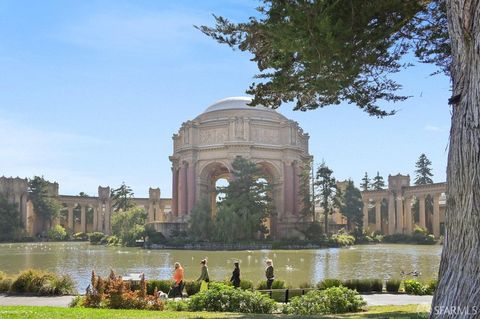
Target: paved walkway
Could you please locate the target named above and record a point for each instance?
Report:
(63, 301)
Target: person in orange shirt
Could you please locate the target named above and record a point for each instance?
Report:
(178, 277)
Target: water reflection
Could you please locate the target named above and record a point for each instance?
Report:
(295, 267)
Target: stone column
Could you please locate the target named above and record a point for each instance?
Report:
(95, 219)
(378, 215)
(288, 187)
(391, 214)
(70, 218)
(365, 214)
(83, 219)
(182, 191)
(408, 215)
(174, 191)
(296, 190)
(436, 215)
(399, 228)
(421, 201)
(191, 187)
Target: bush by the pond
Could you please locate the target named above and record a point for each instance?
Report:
(342, 240)
(329, 283)
(176, 305)
(364, 285)
(420, 236)
(114, 293)
(277, 284)
(223, 298)
(192, 287)
(80, 236)
(57, 232)
(415, 287)
(160, 285)
(96, 237)
(392, 285)
(42, 283)
(333, 300)
(431, 287)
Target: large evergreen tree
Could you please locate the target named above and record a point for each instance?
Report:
(352, 207)
(423, 173)
(327, 191)
(45, 204)
(307, 211)
(122, 198)
(201, 223)
(10, 220)
(378, 182)
(242, 213)
(365, 185)
(322, 52)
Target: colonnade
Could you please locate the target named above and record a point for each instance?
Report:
(400, 216)
(183, 188)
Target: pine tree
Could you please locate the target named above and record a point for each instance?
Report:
(122, 198)
(327, 190)
(305, 191)
(352, 207)
(365, 185)
(423, 172)
(246, 205)
(378, 182)
(45, 204)
(201, 225)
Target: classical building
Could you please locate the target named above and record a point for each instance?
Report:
(390, 210)
(206, 146)
(80, 213)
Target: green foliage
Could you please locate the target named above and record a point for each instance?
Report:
(5, 284)
(333, 300)
(326, 186)
(223, 298)
(365, 185)
(96, 237)
(201, 223)
(176, 305)
(424, 171)
(342, 240)
(246, 284)
(80, 236)
(122, 198)
(364, 285)
(10, 220)
(129, 225)
(414, 287)
(42, 283)
(314, 231)
(351, 206)
(160, 285)
(393, 285)
(307, 210)
(246, 204)
(276, 284)
(192, 287)
(431, 287)
(57, 232)
(329, 283)
(45, 204)
(420, 236)
(378, 182)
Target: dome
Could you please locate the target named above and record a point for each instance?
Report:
(233, 103)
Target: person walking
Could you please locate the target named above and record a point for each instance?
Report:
(269, 274)
(178, 276)
(235, 280)
(204, 277)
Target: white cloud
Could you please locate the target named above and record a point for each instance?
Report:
(432, 128)
(135, 31)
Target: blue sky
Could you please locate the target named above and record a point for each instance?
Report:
(92, 91)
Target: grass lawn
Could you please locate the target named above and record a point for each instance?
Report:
(22, 312)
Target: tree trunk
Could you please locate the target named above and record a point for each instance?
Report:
(459, 273)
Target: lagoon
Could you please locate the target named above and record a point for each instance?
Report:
(381, 261)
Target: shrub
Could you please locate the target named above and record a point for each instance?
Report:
(246, 284)
(333, 300)
(5, 284)
(192, 287)
(377, 285)
(364, 285)
(342, 240)
(176, 305)
(57, 232)
(113, 241)
(431, 287)
(96, 237)
(414, 287)
(223, 298)
(277, 284)
(43, 283)
(393, 285)
(76, 302)
(160, 285)
(329, 283)
(306, 285)
(80, 236)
